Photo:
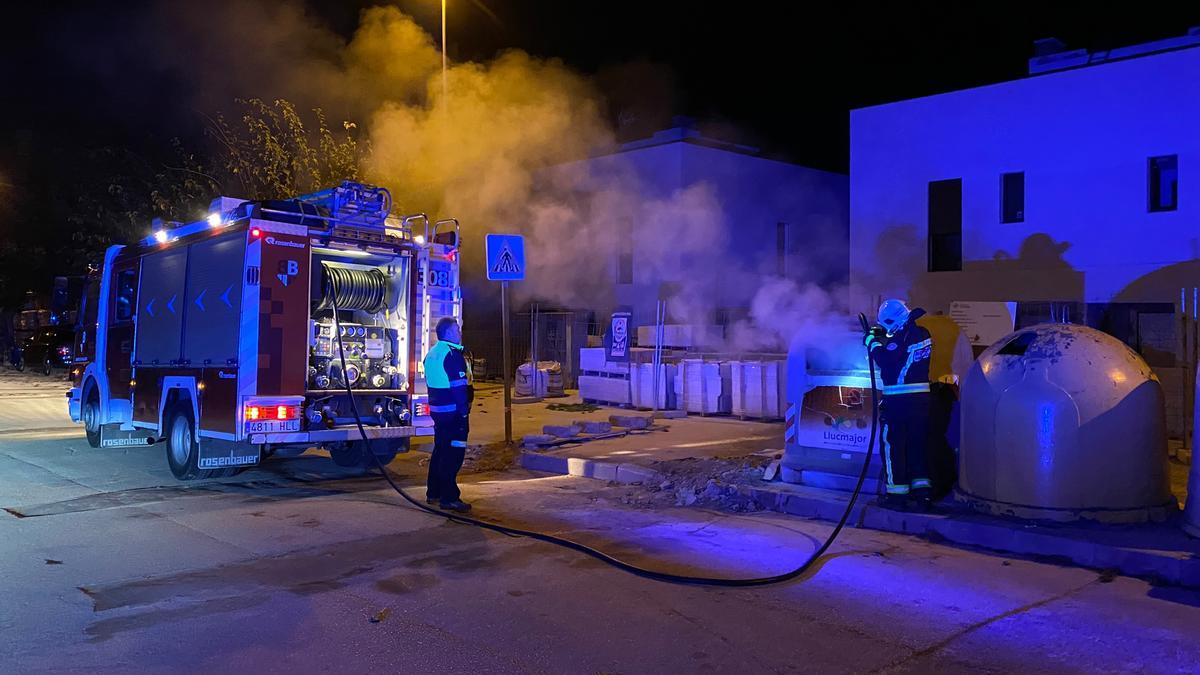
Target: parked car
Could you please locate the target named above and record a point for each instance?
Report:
(49, 348)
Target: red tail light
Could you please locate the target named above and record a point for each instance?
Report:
(271, 411)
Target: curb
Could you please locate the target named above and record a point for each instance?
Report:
(1176, 562)
(587, 468)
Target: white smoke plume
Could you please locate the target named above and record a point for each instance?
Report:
(481, 152)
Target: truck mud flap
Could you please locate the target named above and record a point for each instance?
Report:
(112, 436)
(218, 454)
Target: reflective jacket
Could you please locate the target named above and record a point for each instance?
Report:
(903, 359)
(952, 357)
(446, 376)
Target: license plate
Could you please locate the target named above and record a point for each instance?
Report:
(271, 426)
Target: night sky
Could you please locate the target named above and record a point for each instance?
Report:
(783, 79)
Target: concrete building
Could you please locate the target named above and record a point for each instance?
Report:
(1067, 192)
(1070, 184)
(758, 218)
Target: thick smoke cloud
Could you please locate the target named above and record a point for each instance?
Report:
(481, 153)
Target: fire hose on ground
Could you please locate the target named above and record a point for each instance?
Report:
(600, 555)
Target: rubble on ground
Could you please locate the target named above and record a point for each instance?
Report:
(490, 457)
(712, 482)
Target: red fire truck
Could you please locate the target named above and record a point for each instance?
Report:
(220, 338)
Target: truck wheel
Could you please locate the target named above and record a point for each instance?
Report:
(347, 453)
(91, 418)
(182, 448)
(355, 453)
(385, 451)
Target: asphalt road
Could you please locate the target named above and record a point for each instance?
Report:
(298, 566)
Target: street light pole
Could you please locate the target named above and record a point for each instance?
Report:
(443, 52)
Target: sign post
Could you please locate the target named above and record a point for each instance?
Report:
(505, 263)
(618, 341)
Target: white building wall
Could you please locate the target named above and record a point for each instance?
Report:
(730, 220)
(1083, 138)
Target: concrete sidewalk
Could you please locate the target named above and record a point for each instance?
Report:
(1160, 552)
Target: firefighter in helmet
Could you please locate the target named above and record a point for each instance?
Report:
(448, 379)
(902, 350)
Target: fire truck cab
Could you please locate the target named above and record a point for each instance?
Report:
(224, 339)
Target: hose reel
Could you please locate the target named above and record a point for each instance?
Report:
(353, 288)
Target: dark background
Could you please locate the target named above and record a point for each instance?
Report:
(781, 76)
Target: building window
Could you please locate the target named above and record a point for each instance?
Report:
(945, 225)
(1163, 183)
(1012, 197)
(625, 254)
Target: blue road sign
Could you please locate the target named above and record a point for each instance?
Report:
(505, 257)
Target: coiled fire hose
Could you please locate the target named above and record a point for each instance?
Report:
(365, 290)
(600, 555)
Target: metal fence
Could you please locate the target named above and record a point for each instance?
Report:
(556, 335)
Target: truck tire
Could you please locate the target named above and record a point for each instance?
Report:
(91, 417)
(182, 449)
(354, 453)
(347, 453)
(385, 449)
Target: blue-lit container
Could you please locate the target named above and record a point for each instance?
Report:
(1064, 422)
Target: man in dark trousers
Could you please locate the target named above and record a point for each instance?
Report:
(447, 377)
(901, 349)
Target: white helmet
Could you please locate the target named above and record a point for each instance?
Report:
(893, 314)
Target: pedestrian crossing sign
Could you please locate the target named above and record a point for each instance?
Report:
(505, 257)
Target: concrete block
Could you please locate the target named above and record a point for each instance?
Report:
(547, 463)
(534, 440)
(669, 414)
(633, 473)
(593, 426)
(587, 468)
(630, 421)
(771, 470)
(561, 431)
